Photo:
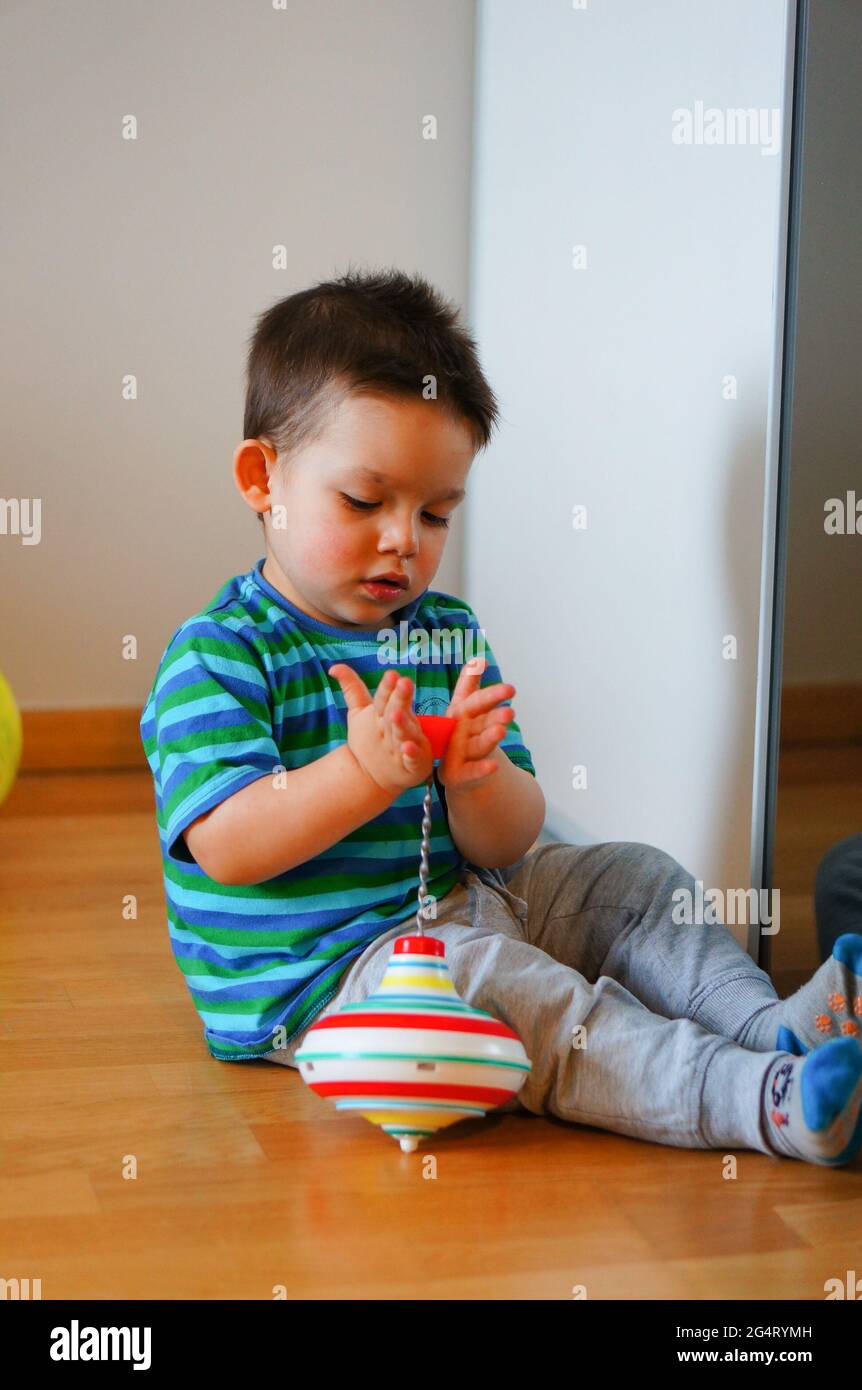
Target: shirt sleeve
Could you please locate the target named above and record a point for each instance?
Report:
(459, 615)
(212, 725)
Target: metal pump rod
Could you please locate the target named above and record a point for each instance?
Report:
(422, 914)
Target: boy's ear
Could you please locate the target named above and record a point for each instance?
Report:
(252, 463)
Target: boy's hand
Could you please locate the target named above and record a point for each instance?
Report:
(481, 725)
(383, 733)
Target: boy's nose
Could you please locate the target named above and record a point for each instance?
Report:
(402, 541)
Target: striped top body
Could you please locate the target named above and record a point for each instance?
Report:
(242, 692)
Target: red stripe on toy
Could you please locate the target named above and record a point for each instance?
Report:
(491, 1095)
(446, 1023)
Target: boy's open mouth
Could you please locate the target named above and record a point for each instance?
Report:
(394, 577)
(383, 588)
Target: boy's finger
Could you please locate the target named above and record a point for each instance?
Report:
(401, 688)
(404, 722)
(490, 697)
(401, 696)
(381, 695)
(488, 739)
(469, 677)
(501, 714)
(354, 688)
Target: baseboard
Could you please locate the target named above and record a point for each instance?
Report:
(101, 739)
(821, 714)
(79, 740)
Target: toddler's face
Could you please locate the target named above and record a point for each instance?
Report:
(327, 546)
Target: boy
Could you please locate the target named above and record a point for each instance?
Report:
(290, 771)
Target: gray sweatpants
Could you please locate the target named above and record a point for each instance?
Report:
(627, 1017)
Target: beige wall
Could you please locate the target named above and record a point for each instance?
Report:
(256, 127)
(823, 605)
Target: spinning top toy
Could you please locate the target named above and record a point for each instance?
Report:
(413, 1057)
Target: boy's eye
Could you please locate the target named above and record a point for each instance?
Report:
(368, 506)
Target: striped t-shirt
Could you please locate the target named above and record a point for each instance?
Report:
(242, 692)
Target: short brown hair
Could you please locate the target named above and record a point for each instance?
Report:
(382, 331)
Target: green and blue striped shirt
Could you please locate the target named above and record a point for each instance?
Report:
(242, 692)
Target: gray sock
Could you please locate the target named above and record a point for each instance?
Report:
(731, 1112)
(795, 1107)
(811, 1105)
(829, 1006)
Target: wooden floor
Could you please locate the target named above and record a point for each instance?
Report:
(819, 802)
(246, 1181)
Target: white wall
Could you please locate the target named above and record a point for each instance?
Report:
(611, 382)
(256, 127)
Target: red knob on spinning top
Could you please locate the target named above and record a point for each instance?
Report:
(437, 728)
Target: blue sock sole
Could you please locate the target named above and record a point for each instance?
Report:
(787, 1041)
(830, 1079)
(848, 950)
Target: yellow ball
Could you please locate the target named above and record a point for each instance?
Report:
(10, 738)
